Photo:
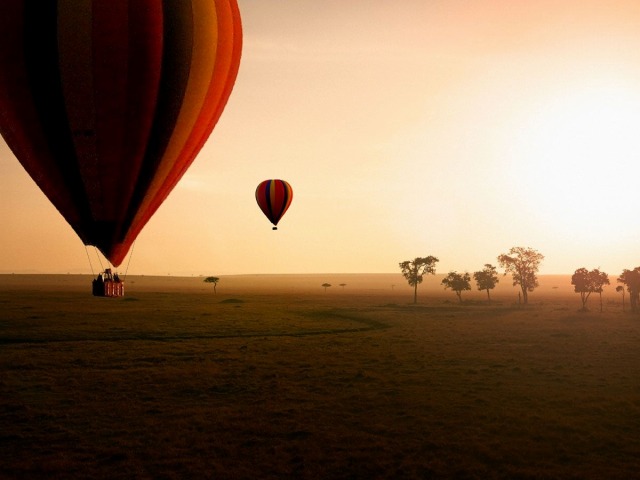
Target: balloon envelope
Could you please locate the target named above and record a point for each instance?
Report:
(274, 198)
(107, 103)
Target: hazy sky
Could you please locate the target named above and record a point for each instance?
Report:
(454, 128)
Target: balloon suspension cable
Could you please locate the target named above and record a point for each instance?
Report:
(86, 249)
(129, 262)
(99, 261)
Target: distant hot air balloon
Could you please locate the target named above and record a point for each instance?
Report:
(106, 103)
(274, 198)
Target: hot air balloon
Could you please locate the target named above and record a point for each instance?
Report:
(274, 198)
(106, 103)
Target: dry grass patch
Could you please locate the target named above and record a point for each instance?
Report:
(187, 385)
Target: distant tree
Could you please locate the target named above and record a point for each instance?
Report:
(601, 279)
(343, 285)
(619, 289)
(487, 278)
(523, 264)
(631, 279)
(457, 282)
(326, 285)
(586, 282)
(213, 280)
(580, 280)
(414, 270)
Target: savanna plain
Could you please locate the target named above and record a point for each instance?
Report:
(277, 377)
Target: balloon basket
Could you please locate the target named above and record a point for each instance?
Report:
(108, 288)
(108, 285)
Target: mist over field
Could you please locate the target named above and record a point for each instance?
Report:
(278, 377)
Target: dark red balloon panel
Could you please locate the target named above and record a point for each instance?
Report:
(107, 103)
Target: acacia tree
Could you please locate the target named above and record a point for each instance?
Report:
(213, 280)
(457, 282)
(487, 278)
(414, 270)
(326, 285)
(631, 279)
(586, 282)
(523, 264)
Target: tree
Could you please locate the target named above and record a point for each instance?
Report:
(487, 278)
(343, 285)
(326, 285)
(457, 282)
(523, 264)
(414, 270)
(619, 289)
(586, 282)
(580, 280)
(601, 280)
(213, 280)
(631, 279)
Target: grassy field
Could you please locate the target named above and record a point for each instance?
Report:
(274, 378)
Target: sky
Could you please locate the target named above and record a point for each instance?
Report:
(452, 128)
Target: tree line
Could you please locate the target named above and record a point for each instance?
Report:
(523, 264)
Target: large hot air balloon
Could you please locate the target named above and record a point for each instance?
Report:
(106, 103)
(274, 198)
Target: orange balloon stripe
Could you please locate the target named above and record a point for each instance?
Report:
(220, 85)
(201, 70)
(281, 197)
(177, 37)
(227, 63)
(222, 82)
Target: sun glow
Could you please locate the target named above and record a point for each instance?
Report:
(579, 161)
